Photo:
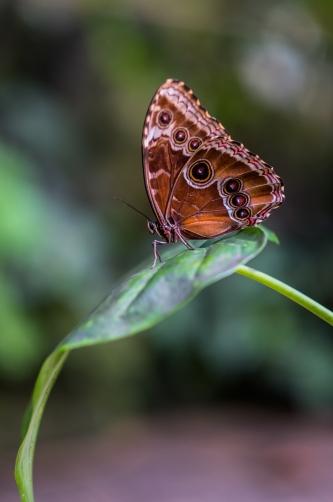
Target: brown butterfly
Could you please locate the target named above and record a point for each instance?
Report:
(201, 184)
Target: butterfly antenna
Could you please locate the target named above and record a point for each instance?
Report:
(132, 207)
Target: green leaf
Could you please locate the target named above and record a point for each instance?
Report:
(139, 302)
(24, 461)
(271, 236)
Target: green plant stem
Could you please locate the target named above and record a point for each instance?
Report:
(287, 291)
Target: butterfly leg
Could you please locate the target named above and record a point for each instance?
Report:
(185, 241)
(156, 253)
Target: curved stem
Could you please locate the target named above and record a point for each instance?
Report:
(285, 290)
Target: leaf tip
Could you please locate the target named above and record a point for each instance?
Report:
(270, 235)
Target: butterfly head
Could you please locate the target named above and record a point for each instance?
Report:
(152, 227)
(166, 231)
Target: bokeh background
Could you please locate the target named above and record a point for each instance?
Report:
(76, 78)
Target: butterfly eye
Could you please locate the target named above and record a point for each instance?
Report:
(242, 214)
(200, 172)
(239, 200)
(194, 144)
(232, 185)
(151, 226)
(164, 118)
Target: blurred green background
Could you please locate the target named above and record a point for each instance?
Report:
(76, 79)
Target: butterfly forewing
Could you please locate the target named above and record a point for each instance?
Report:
(176, 126)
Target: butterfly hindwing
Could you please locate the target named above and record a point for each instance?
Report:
(223, 187)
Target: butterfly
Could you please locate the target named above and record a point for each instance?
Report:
(200, 182)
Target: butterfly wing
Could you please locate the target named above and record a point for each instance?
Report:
(223, 187)
(176, 125)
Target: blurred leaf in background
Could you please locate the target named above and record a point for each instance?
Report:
(76, 79)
